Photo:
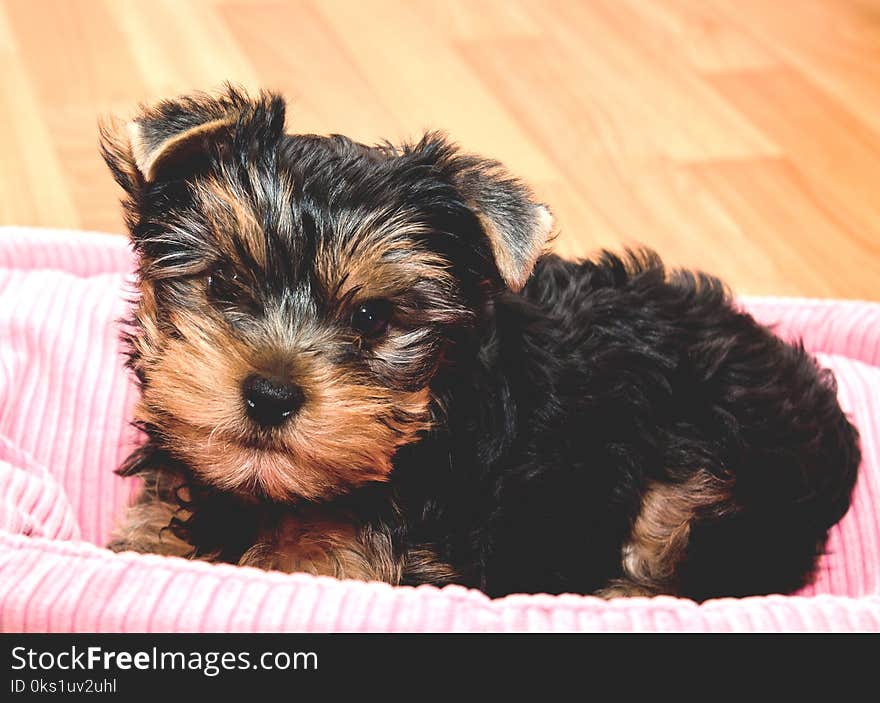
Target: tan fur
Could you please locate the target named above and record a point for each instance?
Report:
(365, 256)
(659, 537)
(232, 220)
(344, 436)
(317, 541)
(421, 565)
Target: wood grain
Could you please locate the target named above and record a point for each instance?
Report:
(738, 136)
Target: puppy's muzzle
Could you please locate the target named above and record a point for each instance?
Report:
(271, 402)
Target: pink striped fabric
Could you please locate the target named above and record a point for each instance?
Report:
(65, 403)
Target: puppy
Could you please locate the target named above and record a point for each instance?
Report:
(357, 361)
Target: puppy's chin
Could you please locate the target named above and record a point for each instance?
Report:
(278, 474)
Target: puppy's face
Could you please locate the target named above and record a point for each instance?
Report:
(297, 293)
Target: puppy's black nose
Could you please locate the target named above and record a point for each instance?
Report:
(270, 402)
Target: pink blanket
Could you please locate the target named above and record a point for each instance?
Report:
(65, 403)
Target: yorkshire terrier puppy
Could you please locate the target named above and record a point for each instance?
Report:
(357, 361)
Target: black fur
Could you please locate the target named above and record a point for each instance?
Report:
(600, 377)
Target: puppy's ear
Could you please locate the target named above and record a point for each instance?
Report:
(517, 226)
(156, 151)
(176, 138)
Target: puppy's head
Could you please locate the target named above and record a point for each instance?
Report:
(297, 292)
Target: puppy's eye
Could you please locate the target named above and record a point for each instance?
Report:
(222, 282)
(371, 318)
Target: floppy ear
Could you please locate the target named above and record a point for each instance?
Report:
(156, 152)
(176, 138)
(517, 226)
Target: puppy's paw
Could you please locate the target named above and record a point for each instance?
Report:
(623, 588)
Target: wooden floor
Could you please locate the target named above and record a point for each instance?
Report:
(739, 136)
